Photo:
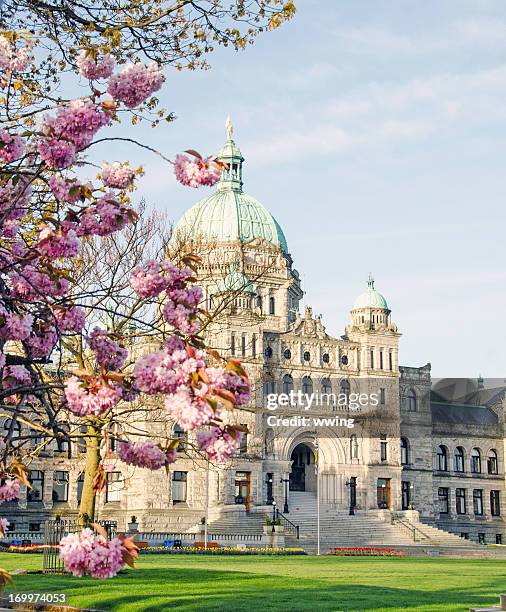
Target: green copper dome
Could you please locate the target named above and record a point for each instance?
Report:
(370, 298)
(235, 281)
(229, 214)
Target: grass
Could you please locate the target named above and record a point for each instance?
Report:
(187, 582)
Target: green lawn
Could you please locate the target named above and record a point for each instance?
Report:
(292, 584)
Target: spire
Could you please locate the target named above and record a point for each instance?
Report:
(231, 156)
(370, 281)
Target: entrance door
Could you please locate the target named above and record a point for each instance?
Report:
(298, 478)
(383, 493)
(406, 501)
(302, 476)
(242, 488)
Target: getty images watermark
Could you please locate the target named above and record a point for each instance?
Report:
(306, 401)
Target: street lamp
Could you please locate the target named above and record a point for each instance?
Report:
(285, 481)
(352, 484)
(268, 482)
(273, 515)
(412, 496)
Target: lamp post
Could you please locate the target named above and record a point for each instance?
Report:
(411, 496)
(352, 484)
(285, 482)
(270, 498)
(317, 472)
(273, 515)
(206, 515)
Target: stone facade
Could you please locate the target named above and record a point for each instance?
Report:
(388, 460)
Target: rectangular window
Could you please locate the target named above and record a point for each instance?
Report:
(113, 487)
(498, 538)
(60, 486)
(33, 526)
(179, 488)
(35, 494)
(482, 538)
(382, 396)
(372, 360)
(495, 503)
(460, 497)
(383, 447)
(390, 361)
(243, 346)
(444, 500)
(464, 535)
(254, 346)
(381, 360)
(243, 444)
(478, 502)
(232, 344)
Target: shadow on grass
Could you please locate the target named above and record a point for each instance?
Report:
(158, 589)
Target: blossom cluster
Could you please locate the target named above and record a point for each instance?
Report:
(90, 553)
(92, 397)
(116, 175)
(135, 83)
(9, 491)
(219, 445)
(15, 58)
(108, 353)
(95, 66)
(145, 454)
(11, 146)
(195, 172)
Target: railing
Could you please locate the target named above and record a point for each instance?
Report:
(287, 524)
(191, 538)
(412, 529)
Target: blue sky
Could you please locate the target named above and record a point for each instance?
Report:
(374, 131)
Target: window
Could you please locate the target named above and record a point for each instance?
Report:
(254, 345)
(179, 480)
(405, 495)
(269, 385)
(60, 486)
(409, 401)
(113, 487)
(344, 360)
(459, 459)
(372, 360)
(390, 361)
(383, 447)
(442, 458)
(33, 526)
(404, 451)
(36, 493)
(344, 389)
(482, 538)
(353, 446)
(307, 356)
(464, 535)
(381, 360)
(495, 503)
(180, 434)
(232, 344)
(259, 302)
(287, 383)
(498, 538)
(326, 358)
(478, 502)
(243, 346)
(492, 464)
(476, 461)
(272, 305)
(326, 387)
(16, 428)
(460, 497)
(382, 396)
(287, 353)
(443, 494)
(243, 444)
(307, 385)
(80, 484)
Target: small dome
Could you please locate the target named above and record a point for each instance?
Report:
(370, 298)
(235, 281)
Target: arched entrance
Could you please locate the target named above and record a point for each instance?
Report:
(302, 476)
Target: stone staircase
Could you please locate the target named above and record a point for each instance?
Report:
(364, 529)
(232, 523)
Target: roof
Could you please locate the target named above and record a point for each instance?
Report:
(236, 281)
(463, 414)
(370, 298)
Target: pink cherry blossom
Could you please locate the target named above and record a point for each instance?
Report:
(147, 281)
(195, 172)
(135, 83)
(89, 553)
(104, 217)
(70, 319)
(57, 153)
(95, 66)
(32, 284)
(95, 398)
(108, 353)
(66, 190)
(15, 376)
(15, 327)
(145, 454)
(190, 412)
(11, 146)
(117, 176)
(219, 445)
(59, 243)
(9, 491)
(15, 58)
(43, 341)
(181, 308)
(4, 525)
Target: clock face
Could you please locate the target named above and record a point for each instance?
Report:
(344, 359)
(326, 358)
(287, 353)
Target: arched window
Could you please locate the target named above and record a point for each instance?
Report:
(16, 433)
(353, 446)
(476, 461)
(492, 463)
(326, 390)
(259, 302)
(459, 459)
(404, 451)
(269, 443)
(269, 384)
(287, 383)
(272, 305)
(307, 385)
(409, 401)
(180, 434)
(442, 458)
(344, 388)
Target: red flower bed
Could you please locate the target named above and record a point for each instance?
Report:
(367, 552)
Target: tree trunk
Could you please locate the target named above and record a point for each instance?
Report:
(87, 504)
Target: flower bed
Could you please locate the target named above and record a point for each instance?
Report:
(193, 550)
(367, 552)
